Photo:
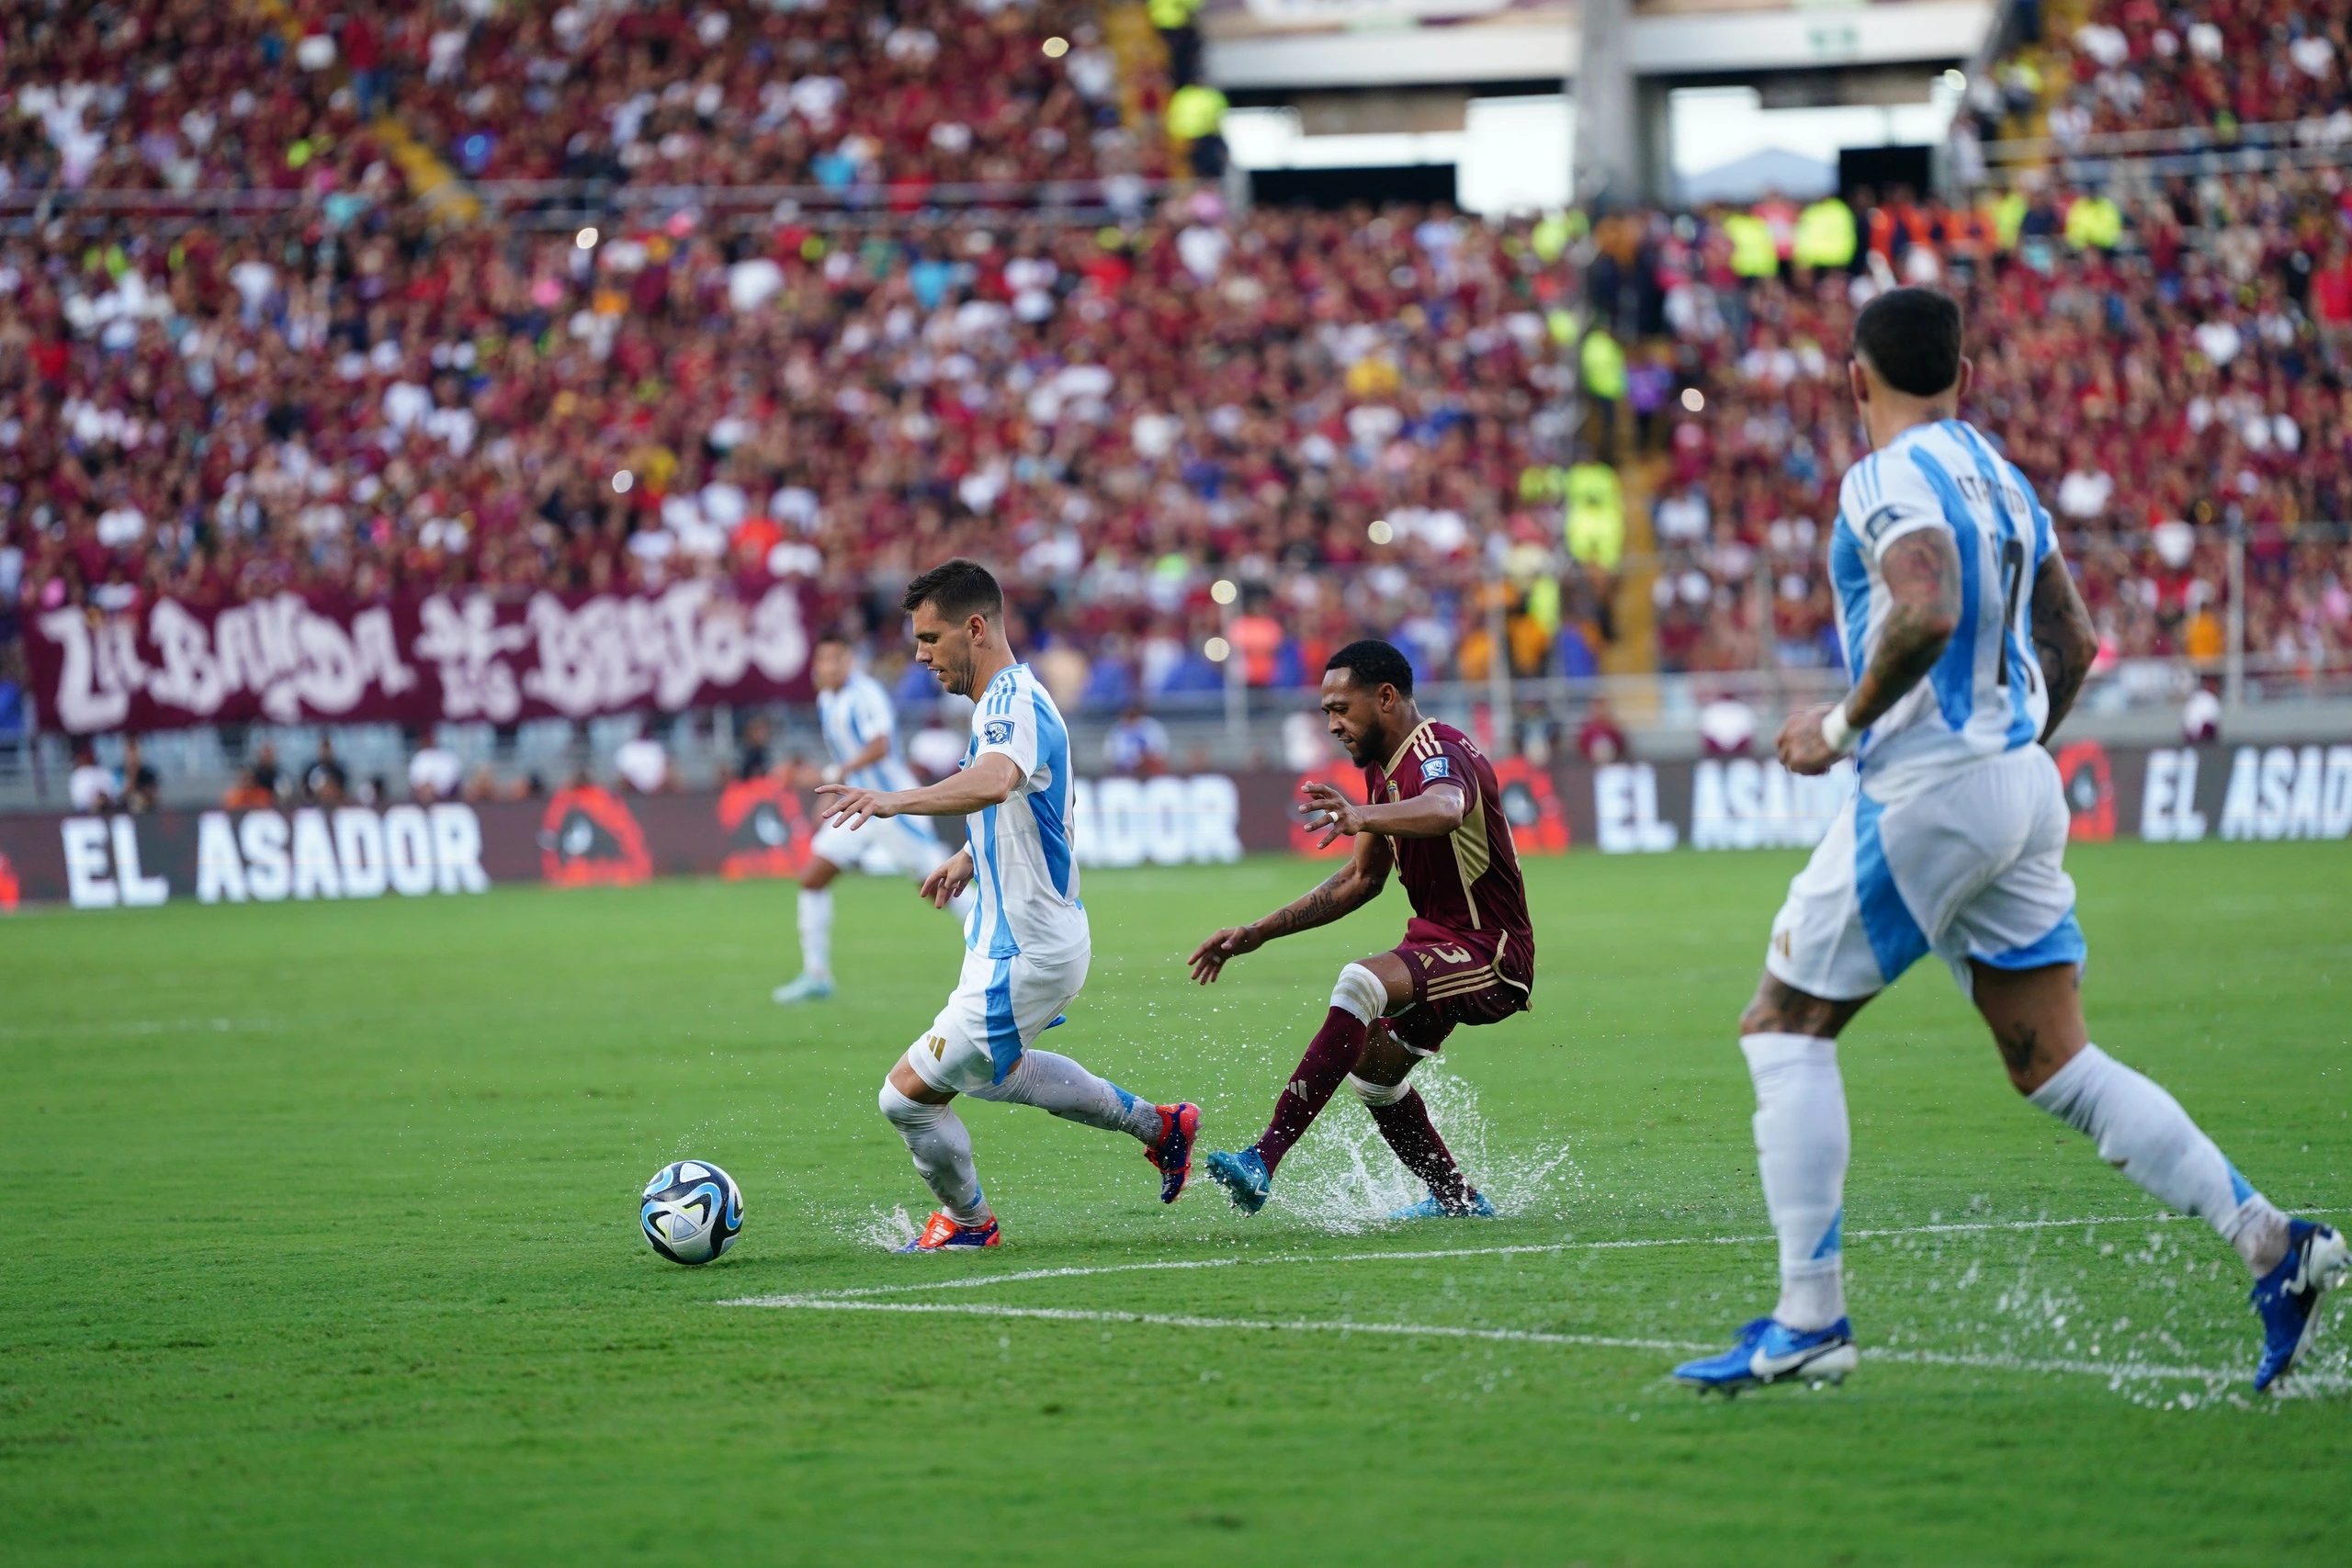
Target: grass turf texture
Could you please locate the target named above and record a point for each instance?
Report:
(327, 1246)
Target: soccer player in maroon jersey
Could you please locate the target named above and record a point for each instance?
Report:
(1436, 815)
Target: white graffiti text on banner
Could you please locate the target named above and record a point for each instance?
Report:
(613, 653)
(277, 648)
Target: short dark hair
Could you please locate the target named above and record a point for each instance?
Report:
(1911, 337)
(1372, 662)
(957, 589)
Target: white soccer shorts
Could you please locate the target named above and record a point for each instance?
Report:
(999, 1008)
(1971, 868)
(879, 846)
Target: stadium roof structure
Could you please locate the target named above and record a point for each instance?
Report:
(1256, 45)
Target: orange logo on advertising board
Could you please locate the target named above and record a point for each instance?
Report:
(2090, 792)
(1538, 826)
(588, 838)
(9, 889)
(766, 834)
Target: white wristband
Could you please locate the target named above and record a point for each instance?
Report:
(1837, 732)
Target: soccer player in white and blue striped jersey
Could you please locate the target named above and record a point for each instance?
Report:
(1967, 643)
(1026, 942)
(861, 732)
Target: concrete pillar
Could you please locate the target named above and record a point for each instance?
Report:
(1608, 160)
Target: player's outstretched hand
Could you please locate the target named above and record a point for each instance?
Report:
(952, 876)
(1209, 958)
(1325, 807)
(1802, 748)
(840, 805)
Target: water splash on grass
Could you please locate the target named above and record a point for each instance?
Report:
(1343, 1177)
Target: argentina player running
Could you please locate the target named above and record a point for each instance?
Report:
(1026, 943)
(862, 736)
(1469, 956)
(1968, 643)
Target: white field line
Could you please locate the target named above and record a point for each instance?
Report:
(2114, 1371)
(974, 1281)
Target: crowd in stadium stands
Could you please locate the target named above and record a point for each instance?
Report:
(169, 95)
(172, 94)
(2193, 376)
(2139, 65)
(1361, 418)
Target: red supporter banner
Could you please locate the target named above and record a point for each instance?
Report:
(456, 656)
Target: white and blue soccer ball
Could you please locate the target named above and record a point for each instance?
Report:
(691, 1212)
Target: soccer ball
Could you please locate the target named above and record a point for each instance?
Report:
(691, 1212)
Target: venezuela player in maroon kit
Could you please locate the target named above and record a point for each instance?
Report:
(1436, 816)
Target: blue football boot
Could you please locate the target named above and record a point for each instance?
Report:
(1770, 1351)
(1244, 1176)
(2288, 1297)
(1435, 1207)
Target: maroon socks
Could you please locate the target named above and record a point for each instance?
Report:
(1413, 1136)
(1333, 1054)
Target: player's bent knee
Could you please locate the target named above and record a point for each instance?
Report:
(1360, 992)
(1376, 1095)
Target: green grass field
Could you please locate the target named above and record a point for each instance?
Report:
(330, 1249)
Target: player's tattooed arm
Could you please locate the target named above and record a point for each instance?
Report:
(1922, 573)
(2063, 638)
(1350, 888)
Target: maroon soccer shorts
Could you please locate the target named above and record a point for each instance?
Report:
(1452, 983)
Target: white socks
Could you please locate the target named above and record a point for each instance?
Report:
(1059, 1084)
(1802, 1144)
(2143, 1132)
(942, 1147)
(817, 931)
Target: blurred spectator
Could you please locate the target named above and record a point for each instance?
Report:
(325, 782)
(644, 765)
(435, 772)
(140, 785)
(264, 771)
(247, 795)
(752, 758)
(2201, 717)
(1137, 745)
(1601, 740)
(91, 787)
(1726, 727)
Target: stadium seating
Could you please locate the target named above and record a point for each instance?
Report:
(1340, 411)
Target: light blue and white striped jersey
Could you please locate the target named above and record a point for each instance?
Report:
(851, 718)
(1022, 866)
(1984, 696)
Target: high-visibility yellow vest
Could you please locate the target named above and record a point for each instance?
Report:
(1604, 364)
(2008, 218)
(1195, 111)
(1753, 253)
(1825, 234)
(2094, 220)
(1596, 515)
